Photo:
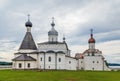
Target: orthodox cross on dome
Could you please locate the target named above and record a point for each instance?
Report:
(63, 37)
(28, 23)
(52, 24)
(28, 17)
(52, 19)
(91, 32)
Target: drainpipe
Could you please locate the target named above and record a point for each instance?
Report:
(44, 61)
(56, 61)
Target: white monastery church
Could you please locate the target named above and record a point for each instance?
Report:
(55, 55)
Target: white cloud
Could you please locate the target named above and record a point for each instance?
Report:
(3, 3)
(110, 47)
(7, 49)
(72, 18)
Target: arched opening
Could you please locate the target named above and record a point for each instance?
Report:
(49, 59)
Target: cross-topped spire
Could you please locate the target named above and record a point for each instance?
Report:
(52, 19)
(91, 32)
(28, 23)
(63, 37)
(52, 24)
(28, 17)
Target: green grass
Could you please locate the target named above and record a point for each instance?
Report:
(18, 75)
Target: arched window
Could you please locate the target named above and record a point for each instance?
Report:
(49, 59)
(41, 58)
(59, 59)
(93, 54)
(20, 65)
(28, 65)
(69, 62)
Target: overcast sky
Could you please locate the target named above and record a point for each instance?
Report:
(73, 18)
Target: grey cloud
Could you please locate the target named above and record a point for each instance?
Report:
(112, 58)
(102, 16)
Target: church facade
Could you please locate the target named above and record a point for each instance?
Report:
(92, 58)
(55, 55)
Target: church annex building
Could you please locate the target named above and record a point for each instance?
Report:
(55, 55)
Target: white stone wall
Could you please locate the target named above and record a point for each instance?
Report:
(55, 63)
(41, 61)
(71, 63)
(93, 63)
(51, 64)
(24, 64)
(61, 64)
(80, 64)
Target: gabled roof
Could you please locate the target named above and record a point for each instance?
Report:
(28, 42)
(79, 56)
(54, 43)
(24, 57)
(70, 57)
(92, 51)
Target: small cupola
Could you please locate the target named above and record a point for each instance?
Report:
(53, 31)
(91, 40)
(28, 23)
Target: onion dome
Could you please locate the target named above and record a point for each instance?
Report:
(28, 23)
(53, 31)
(91, 40)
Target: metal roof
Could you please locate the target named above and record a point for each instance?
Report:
(24, 57)
(28, 42)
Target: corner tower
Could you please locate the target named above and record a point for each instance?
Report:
(52, 34)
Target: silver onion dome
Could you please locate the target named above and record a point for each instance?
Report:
(28, 23)
(53, 31)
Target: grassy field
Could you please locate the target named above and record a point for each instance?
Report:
(17, 75)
